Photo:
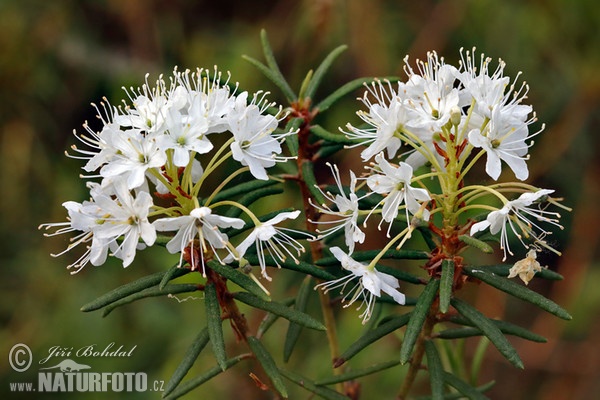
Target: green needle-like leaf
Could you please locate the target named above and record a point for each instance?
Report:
(242, 188)
(130, 288)
(463, 387)
(171, 289)
(311, 182)
(239, 278)
(446, 284)
(417, 318)
(279, 309)
(372, 336)
(344, 90)
(436, 371)
(250, 198)
(478, 244)
(294, 329)
(292, 140)
(518, 291)
(368, 255)
(504, 270)
(460, 396)
(300, 266)
(322, 133)
(272, 63)
(205, 377)
(266, 360)
(504, 326)
(171, 274)
(215, 324)
(490, 330)
(321, 391)
(191, 355)
(270, 318)
(357, 373)
(322, 70)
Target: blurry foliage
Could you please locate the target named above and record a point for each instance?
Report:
(57, 56)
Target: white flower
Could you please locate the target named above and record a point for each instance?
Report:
(387, 116)
(519, 216)
(346, 208)
(199, 223)
(487, 90)
(526, 268)
(431, 92)
(112, 214)
(504, 138)
(394, 183)
(185, 134)
(134, 154)
(278, 244)
(150, 106)
(254, 145)
(206, 97)
(127, 217)
(370, 285)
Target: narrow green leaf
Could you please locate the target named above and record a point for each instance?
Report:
(490, 330)
(174, 288)
(192, 384)
(344, 90)
(368, 255)
(250, 198)
(272, 63)
(459, 396)
(279, 309)
(292, 140)
(239, 278)
(322, 133)
(478, 359)
(301, 266)
(418, 316)
(171, 274)
(504, 270)
(242, 188)
(321, 391)
(519, 291)
(215, 324)
(436, 371)
(305, 82)
(311, 182)
(371, 337)
(463, 387)
(293, 333)
(401, 275)
(505, 327)
(266, 360)
(446, 284)
(130, 288)
(357, 373)
(478, 244)
(327, 150)
(189, 359)
(270, 318)
(322, 70)
(427, 237)
(274, 77)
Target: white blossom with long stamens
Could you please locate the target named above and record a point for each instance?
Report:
(520, 217)
(346, 208)
(369, 286)
(201, 223)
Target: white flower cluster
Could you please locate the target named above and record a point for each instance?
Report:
(445, 118)
(153, 157)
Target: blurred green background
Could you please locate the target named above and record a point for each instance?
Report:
(58, 56)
